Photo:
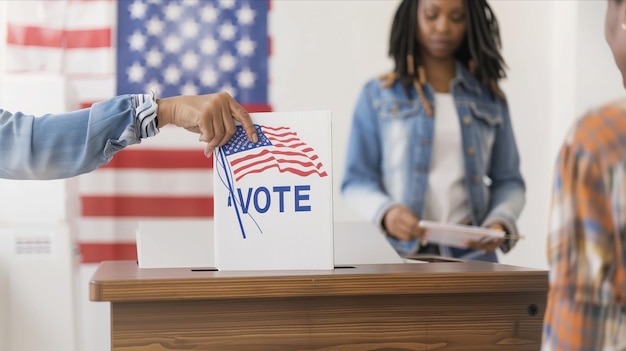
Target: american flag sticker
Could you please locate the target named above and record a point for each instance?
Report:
(278, 147)
(274, 197)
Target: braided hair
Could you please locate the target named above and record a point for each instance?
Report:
(479, 52)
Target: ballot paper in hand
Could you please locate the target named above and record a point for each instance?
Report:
(457, 235)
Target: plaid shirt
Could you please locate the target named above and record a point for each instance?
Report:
(587, 237)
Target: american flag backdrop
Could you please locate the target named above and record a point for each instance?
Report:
(174, 47)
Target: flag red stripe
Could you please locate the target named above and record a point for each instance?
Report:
(34, 36)
(149, 206)
(57, 38)
(290, 146)
(249, 157)
(257, 107)
(94, 38)
(272, 158)
(281, 135)
(275, 129)
(265, 152)
(98, 252)
(284, 170)
(160, 159)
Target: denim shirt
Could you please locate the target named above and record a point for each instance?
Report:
(390, 150)
(68, 144)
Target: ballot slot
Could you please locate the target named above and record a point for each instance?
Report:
(433, 259)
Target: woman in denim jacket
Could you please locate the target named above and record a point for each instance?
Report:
(433, 140)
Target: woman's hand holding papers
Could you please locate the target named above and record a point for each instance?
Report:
(488, 244)
(402, 224)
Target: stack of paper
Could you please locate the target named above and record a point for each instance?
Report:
(457, 235)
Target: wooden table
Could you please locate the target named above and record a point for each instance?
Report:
(474, 306)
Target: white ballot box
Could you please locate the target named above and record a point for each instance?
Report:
(273, 198)
(175, 244)
(189, 243)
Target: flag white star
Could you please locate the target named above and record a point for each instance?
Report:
(135, 73)
(190, 61)
(208, 14)
(208, 46)
(227, 4)
(228, 31)
(154, 85)
(171, 75)
(229, 89)
(154, 58)
(246, 78)
(189, 89)
(190, 29)
(156, 2)
(173, 44)
(245, 46)
(208, 77)
(227, 62)
(245, 15)
(154, 26)
(137, 41)
(173, 12)
(137, 9)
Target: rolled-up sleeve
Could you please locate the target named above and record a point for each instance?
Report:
(64, 145)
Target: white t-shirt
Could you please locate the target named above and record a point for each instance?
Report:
(446, 198)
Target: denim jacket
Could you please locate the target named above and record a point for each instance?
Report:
(68, 144)
(390, 149)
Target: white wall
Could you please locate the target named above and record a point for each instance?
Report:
(3, 29)
(323, 60)
(4, 250)
(323, 52)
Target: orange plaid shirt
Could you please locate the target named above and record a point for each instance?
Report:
(587, 237)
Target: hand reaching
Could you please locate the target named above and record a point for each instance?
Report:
(211, 115)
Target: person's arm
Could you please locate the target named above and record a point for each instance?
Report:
(587, 225)
(507, 189)
(68, 144)
(362, 182)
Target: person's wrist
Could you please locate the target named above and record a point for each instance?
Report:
(163, 114)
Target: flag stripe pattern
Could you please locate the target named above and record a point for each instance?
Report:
(160, 159)
(36, 36)
(171, 47)
(105, 48)
(98, 252)
(278, 147)
(147, 206)
(69, 37)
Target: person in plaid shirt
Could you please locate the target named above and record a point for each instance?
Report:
(586, 307)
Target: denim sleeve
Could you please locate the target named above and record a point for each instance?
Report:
(507, 185)
(362, 187)
(64, 145)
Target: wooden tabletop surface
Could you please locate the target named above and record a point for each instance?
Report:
(119, 281)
